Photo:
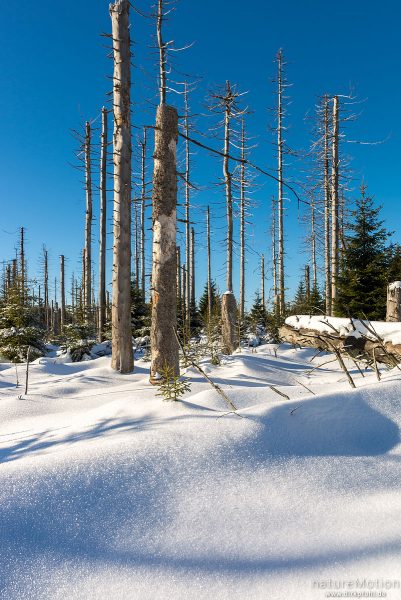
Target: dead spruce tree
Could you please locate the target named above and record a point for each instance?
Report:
(143, 143)
(122, 354)
(335, 229)
(102, 232)
(164, 345)
(88, 222)
(225, 101)
(62, 293)
(280, 112)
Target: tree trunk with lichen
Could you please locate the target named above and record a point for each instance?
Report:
(229, 330)
(394, 302)
(122, 354)
(164, 345)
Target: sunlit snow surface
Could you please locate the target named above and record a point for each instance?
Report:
(107, 492)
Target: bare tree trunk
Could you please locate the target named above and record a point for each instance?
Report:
(394, 301)
(184, 302)
(193, 288)
(313, 244)
(228, 305)
(46, 286)
(280, 198)
(179, 297)
(122, 354)
(62, 293)
(274, 258)
(209, 267)
(88, 221)
(103, 215)
(262, 274)
(187, 209)
(164, 346)
(229, 328)
(162, 53)
(242, 227)
(327, 205)
(307, 283)
(22, 265)
(143, 212)
(334, 206)
(229, 201)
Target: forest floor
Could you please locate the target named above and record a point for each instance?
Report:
(107, 492)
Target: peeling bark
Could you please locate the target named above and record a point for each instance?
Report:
(164, 345)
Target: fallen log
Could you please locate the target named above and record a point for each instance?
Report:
(369, 346)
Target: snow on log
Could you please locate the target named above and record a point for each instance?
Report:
(360, 339)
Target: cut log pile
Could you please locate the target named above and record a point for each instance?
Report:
(372, 341)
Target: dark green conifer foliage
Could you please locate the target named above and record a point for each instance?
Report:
(364, 269)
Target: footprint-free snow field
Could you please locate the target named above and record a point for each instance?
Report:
(107, 492)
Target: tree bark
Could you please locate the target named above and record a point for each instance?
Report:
(103, 214)
(334, 206)
(193, 289)
(229, 339)
(62, 293)
(122, 354)
(394, 301)
(242, 227)
(209, 267)
(262, 273)
(143, 212)
(327, 205)
(164, 346)
(280, 198)
(88, 222)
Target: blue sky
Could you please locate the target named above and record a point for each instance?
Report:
(53, 77)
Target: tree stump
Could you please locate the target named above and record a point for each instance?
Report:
(394, 301)
(229, 323)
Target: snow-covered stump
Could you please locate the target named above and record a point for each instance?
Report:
(394, 301)
(229, 339)
(164, 345)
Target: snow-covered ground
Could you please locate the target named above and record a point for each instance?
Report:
(107, 492)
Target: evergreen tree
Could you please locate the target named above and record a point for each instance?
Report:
(140, 312)
(258, 313)
(19, 326)
(203, 303)
(365, 262)
(300, 304)
(394, 270)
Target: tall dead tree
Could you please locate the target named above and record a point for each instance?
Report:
(46, 287)
(187, 209)
(209, 266)
(242, 225)
(22, 267)
(192, 278)
(88, 220)
(274, 257)
(334, 205)
(280, 196)
(143, 212)
(122, 354)
(225, 101)
(262, 275)
(327, 203)
(164, 345)
(62, 292)
(102, 232)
